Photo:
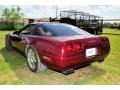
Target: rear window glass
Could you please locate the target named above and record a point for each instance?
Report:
(64, 30)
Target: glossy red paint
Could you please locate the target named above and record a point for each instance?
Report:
(68, 52)
(64, 52)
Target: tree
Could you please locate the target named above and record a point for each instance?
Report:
(6, 14)
(12, 17)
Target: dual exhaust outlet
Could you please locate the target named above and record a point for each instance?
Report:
(67, 72)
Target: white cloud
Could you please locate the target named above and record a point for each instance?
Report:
(38, 11)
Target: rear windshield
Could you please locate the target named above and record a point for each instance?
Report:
(64, 30)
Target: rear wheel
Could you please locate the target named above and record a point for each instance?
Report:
(34, 61)
(95, 32)
(8, 43)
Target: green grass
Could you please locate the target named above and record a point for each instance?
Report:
(14, 70)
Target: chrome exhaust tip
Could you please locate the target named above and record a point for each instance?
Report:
(69, 71)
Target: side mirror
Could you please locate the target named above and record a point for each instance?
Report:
(16, 32)
(49, 34)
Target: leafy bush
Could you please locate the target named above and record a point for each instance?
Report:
(11, 17)
(10, 26)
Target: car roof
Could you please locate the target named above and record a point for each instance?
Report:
(39, 23)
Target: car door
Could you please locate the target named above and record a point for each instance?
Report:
(19, 40)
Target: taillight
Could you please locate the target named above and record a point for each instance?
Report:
(77, 47)
(72, 47)
(68, 48)
(104, 42)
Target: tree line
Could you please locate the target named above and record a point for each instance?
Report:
(115, 25)
(10, 18)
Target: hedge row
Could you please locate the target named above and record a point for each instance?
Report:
(10, 26)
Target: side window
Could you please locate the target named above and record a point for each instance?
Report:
(43, 32)
(27, 29)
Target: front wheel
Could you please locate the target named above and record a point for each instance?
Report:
(34, 61)
(8, 43)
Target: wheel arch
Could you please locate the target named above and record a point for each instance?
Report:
(26, 48)
(29, 45)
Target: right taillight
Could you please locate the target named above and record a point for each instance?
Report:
(104, 42)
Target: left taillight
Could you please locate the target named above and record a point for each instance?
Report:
(68, 48)
(72, 47)
(77, 47)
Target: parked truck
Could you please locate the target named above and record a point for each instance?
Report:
(90, 23)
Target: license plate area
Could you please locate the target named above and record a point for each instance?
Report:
(91, 52)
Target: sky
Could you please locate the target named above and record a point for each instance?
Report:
(40, 11)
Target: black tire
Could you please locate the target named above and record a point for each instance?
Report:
(101, 61)
(95, 32)
(101, 31)
(38, 65)
(8, 43)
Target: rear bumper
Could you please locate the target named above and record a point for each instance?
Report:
(73, 62)
(61, 64)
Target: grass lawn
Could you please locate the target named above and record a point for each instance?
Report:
(14, 70)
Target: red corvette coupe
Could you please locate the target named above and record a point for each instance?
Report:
(58, 46)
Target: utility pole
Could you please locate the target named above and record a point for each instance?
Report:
(56, 11)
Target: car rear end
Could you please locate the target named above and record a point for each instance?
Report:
(74, 47)
(84, 51)
(78, 51)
